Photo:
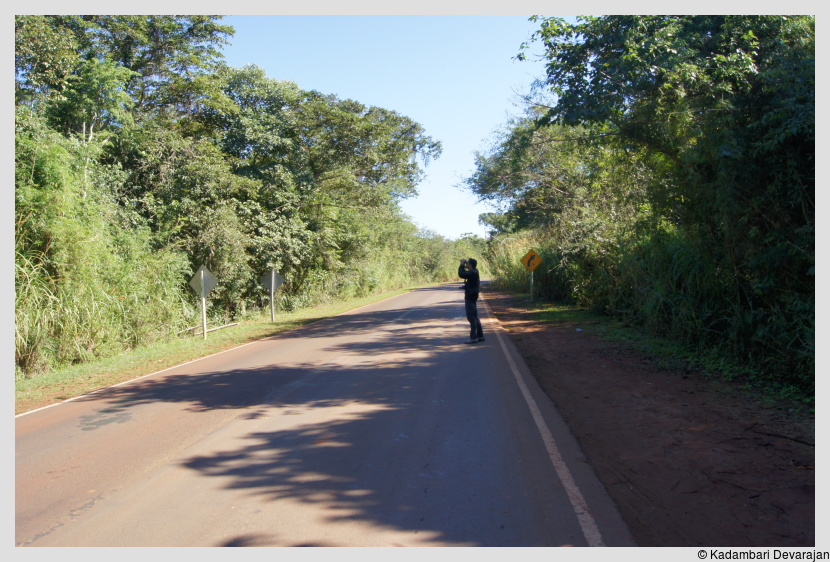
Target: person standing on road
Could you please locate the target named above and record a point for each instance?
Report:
(467, 271)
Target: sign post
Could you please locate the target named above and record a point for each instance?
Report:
(272, 281)
(203, 283)
(531, 261)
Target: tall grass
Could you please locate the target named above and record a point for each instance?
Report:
(665, 283)
(86, 286)
(99, 292)
(68, 320)
(34, 301)
(554, 279)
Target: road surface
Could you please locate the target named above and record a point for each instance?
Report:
(378, 427)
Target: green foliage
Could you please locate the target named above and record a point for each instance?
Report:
(34, 302)
(672, 181)
(83, 286)
(168, 56)
(140, 158)
(44, 56)
(94, 99)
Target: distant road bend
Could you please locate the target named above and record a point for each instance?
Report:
(378, 427)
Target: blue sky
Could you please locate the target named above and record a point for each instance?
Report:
(455, 75)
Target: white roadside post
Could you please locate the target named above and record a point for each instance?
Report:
(203, 283)
(204, 303)
(272, 281)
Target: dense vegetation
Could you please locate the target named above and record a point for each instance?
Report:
(664, 170)
(140, 156)
(666, 174)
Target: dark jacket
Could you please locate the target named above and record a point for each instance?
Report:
(471, 283)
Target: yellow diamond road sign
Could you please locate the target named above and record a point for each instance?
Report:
(531, 260)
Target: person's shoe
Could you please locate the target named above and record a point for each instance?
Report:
(472, 341)
(481, 338)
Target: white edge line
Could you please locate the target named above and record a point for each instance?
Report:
(137, 378)
(580, 506)
(189, 362)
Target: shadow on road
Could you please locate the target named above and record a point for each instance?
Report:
(366, 462)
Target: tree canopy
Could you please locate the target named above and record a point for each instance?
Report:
(141, 156)
(669, 164)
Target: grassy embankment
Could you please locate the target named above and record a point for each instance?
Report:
(75, 380)
(671, 354)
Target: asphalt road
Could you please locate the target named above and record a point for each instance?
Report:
(378, 427)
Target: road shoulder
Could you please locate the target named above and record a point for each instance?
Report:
(688, 461)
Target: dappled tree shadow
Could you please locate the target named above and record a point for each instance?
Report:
(242, 388)
(366, 463)
(372, 460)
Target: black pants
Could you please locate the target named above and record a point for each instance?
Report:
(472, 318)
